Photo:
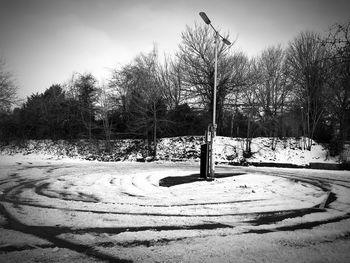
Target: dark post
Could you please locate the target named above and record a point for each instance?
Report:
(204, 161)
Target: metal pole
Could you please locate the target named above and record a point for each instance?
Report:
(212, 158)
(213, 127)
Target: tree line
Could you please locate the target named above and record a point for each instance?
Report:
(301, 90)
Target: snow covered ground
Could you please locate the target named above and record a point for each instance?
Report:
(73, 210)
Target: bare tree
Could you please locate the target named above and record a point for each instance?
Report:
(250, 103)
(338, 92)
(272, 90)
(83, 89)
(143, 97)
(197, 64)
(307, 70)
(106, 104)
(8, 88)
(170, 78)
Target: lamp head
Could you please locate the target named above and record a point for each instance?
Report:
(226, 41)
(205, 18)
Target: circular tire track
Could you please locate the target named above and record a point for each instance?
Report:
(105, 201)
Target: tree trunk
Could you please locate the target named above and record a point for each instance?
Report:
(155, 129)
(107, 129)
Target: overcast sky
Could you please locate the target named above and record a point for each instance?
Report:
(44, 41)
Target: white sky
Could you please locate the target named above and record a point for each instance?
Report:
(44, 41)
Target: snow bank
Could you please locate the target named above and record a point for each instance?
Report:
(227, 150)
(231, 150)
(288, 151)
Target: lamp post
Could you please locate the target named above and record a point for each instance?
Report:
(213, 126)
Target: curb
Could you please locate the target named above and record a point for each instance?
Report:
(321, 166)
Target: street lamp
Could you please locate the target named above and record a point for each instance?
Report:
(213, 127)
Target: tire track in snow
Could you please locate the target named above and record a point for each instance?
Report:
(44, 194)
